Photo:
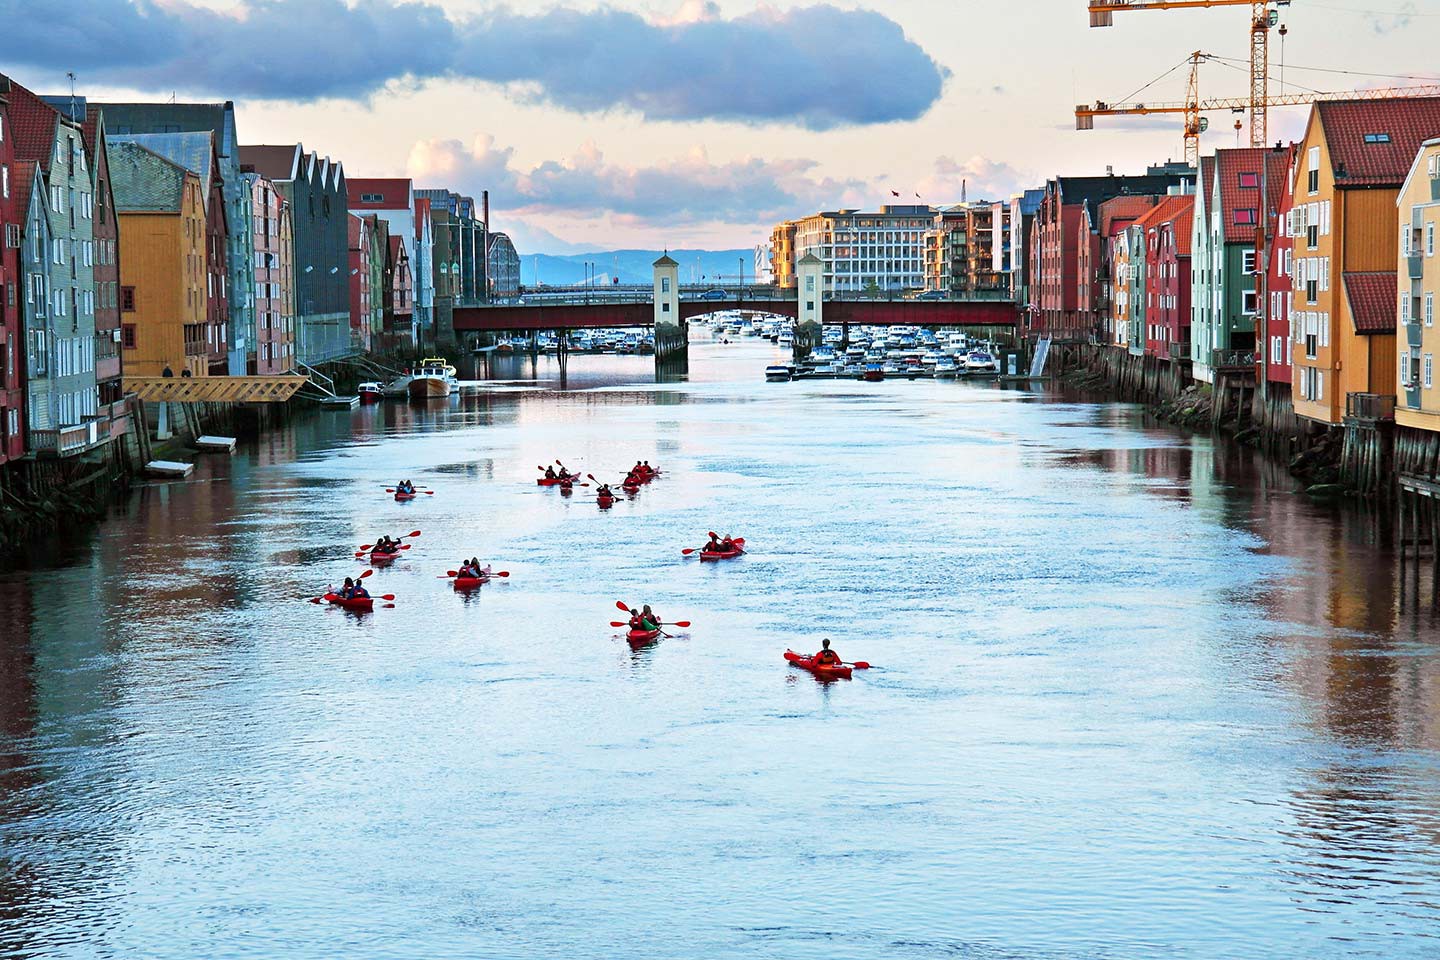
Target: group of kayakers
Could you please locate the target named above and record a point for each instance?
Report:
(352, 590)
(471, 570)
(386, 545)
(405, 486)
(642, 472)
(561, 475)
(725, 544)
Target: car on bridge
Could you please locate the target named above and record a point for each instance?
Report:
(932, 295)
(716, 294)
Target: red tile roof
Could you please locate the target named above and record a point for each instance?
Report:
(1117, 213)
(1183, 224)
(1372, 300)
(394, 190)
(32, 123)
(1166, 210)
(1230, 165)
(1408, 122)
(24, 180)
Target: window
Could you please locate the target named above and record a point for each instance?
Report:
(1429, 309)
(665, 307)
(1312, 292)
(1430, 239)
(1313, 168)
(664, 284)
(1249, 181)
(371, 197)
(1377, 138)
(127, 299)
(1429, 369)
(1247, 260)
(12, 236)
(127, 336)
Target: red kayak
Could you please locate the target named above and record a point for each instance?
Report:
(470, 583)
(353, 603)
(605, 502)
(377, 557)
(639, 638)
(820, 670)
(402, 497)
(725, 554)
(556, 481)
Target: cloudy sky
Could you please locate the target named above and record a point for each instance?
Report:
(690, 123)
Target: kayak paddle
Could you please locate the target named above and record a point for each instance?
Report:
(412, 533)
(452, 574)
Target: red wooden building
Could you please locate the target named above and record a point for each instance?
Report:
(12, 334)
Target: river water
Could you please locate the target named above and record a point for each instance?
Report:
(1132, 698)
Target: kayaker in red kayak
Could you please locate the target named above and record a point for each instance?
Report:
(713, 546)
(404, 486)
(644, 619)
(550, 474)
(603, 492)
(352, 590)
(827, 657)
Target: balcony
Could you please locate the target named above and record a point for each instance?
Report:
(1233, 361)
(1414, 335)
(1417, 266)
(1180, 352)
(1372, 407)
(67, 441)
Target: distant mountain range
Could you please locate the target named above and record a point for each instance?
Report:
(635, 266)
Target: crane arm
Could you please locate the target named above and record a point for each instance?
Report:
(1102, 12)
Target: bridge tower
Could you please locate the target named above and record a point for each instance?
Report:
(810, 310)
(672, 341)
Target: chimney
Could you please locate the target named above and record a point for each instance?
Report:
(485, 208)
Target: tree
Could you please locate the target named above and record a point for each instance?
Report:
(872, 289)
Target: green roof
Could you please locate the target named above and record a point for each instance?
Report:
(142, 180)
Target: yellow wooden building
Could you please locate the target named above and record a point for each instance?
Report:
(1351, 164)
(163, 269)
(1418, 269)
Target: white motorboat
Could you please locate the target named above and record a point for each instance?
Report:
(947, 367)
(433, 378)
(981, 362)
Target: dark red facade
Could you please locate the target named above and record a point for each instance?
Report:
(1275, 354)
(217, 303)
(1167, 274)
(12, 335)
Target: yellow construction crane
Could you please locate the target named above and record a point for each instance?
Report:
(1263, 17)
(1193, 106)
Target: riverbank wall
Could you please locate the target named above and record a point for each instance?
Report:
(1357, 458)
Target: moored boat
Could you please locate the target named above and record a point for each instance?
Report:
(370, 392)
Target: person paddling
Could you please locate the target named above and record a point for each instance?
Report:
(347, 589)
(358, 591)
(713, 546)
(550, 473)
(826, 657)
(603, 492)
(648, 619)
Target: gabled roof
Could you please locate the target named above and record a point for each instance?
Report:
(1117, 213)
(1165, 211)
(668, 261)
(1269, 166)
(1372, 300)
(394, 191)
(195, 151)
(1182, 224)
(32, 124)
(143, 181)
(277, 163)
(1406, 123)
